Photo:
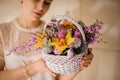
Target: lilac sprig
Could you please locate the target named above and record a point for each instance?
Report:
(25, 46)
(92, 32)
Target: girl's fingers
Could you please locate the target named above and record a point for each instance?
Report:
(90, 54)
(88, 57)
(53, 74)
(85, 63)
(90, 49)
(85, 66)
(50, 72)
(44, 68)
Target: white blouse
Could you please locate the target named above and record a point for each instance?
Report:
(13, 35)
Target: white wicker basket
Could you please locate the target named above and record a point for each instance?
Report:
(64, 64)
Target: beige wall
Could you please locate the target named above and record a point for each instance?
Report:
(106, 65)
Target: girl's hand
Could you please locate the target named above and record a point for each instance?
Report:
(87, 59)
(40, 66)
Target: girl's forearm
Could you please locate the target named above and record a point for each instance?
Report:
(21, 73)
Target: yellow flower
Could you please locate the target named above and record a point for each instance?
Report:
(66, 23)
(69, 25)
(67, 40)
(40, 40)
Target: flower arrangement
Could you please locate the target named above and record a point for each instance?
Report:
(65, 41)
(63, 37)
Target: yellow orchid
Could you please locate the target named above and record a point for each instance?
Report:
(66, 23)
(40, 40)
(67, 41)
(69, 25)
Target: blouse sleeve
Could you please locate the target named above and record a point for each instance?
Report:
(1, 46)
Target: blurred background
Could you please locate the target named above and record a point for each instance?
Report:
(106, 63)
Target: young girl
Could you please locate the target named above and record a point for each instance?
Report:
(22, 65)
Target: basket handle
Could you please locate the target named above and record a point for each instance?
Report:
(71, 20)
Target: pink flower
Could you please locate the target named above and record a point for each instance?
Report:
(56, 51)
(77, 33)
(61, 34)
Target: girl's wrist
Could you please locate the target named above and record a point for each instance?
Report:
(26, 71)
(30, 69)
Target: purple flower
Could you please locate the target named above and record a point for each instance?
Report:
(70, 53)
(50, 25)
(56, 51)
(76, 44)
(92, 32)
(77, 33)
(61, 34)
